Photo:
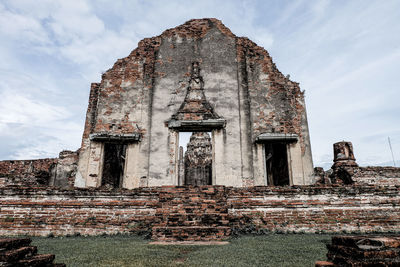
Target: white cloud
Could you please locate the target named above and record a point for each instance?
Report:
(73, 20)
(40, 147)
(17, 108)
(345, 55)
(17, 27)
(110, 45)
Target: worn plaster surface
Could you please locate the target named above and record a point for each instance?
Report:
(142, 92)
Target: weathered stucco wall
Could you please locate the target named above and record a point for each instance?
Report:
(63, 174)
(38, 211)
(275, 105)
(141, 92)
(217, 55)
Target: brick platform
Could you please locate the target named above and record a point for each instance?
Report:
(192, 214)
(363, 251)
(19, 252)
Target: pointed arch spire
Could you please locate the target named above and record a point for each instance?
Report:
(195, 106)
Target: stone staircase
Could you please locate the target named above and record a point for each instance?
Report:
(192, 214)
(18, 252)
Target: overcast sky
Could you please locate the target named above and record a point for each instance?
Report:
(344, 54)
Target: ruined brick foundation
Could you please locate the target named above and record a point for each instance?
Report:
(26, 172)
(371, 175)
(59, 172)
(19, 252)
(363, 251)
(377, 175)
(199, 213)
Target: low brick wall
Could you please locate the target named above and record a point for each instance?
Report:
(377, 175)
(317, 209)
(59, 172)
(38, 212)
(26, 172)
(41, 211)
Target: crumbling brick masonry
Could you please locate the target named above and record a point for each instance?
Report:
(198, 76)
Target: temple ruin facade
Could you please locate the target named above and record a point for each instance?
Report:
(249, 148)
(197, 77)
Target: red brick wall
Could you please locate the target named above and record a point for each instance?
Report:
(91, 111)
(377, 175)
(314, 209)
(37, 211)
(26, 172)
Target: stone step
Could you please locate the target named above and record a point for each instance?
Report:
(175, 202)
(187, 200)
(192, 196)
(188, 194)
(348, 261)
(357, 253)
(194, 219)
(14, 255)
(37, 260)
(324, 264)
(372, 241)
(184, 196)
(13, 243)
(190, 233)
(192, 214)
(195, 200)
(190, 223)
(191, 209)
(222, 220)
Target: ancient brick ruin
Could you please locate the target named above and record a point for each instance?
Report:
(247, 166)
(199, 213)
(197, 77)
(19, 252)
(58, 172)
(363, 251)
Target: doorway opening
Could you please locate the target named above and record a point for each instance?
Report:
(113, 165)
(195, 158)
(277, 164)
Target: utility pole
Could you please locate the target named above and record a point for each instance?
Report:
(391, 150)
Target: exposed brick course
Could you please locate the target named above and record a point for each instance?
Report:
(371, 175)
(26, 172)
(198, 213)
(377, 175)
(285, 117)
(363, 251)
(59, 172)
(18, 252)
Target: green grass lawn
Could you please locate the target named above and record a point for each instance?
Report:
(267, 250)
